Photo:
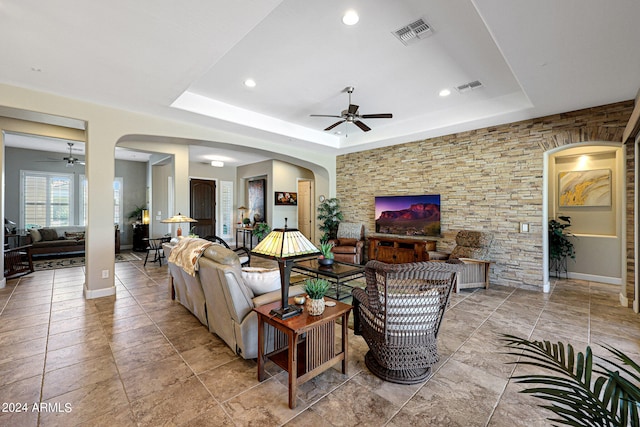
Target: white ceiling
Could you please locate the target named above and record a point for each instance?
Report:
(533, 58)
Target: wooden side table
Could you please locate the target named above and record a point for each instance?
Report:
(302, 357)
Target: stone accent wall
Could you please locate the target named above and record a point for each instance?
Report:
(631, 240)
(489, 179)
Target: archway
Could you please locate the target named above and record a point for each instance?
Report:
(576, 149)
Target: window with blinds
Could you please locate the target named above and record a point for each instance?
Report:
(226, 208)
(118, 197)
(46, 199)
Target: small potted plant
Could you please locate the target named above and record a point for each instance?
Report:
(246, 222)
(326, 256)
(260, 230)
(315, 289)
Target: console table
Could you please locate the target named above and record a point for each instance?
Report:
(302, 357)
(398, 249)
(247, 237)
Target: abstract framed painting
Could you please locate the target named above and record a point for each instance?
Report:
(584, 188)
(257, 196)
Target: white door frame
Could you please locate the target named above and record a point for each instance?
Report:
(621, 218)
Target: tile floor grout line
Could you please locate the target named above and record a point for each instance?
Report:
(515, 364)
(434, 372)
(170, 343)
(46, 347)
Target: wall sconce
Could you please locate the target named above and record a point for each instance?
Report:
(145, 216)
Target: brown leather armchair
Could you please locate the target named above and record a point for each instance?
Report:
(349, 244)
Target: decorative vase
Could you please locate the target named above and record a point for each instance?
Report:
(325, 261)
(315, 307)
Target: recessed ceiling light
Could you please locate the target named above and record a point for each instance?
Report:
(444, 92)
(250, 83)
(217, 163)
(350, 18)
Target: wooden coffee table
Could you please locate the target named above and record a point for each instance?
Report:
(302, 357)
(338, 273)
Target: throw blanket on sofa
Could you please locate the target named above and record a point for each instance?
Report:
(187, 253)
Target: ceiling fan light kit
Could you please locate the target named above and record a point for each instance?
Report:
(352, 115)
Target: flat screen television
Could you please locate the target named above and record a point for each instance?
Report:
(408, 215)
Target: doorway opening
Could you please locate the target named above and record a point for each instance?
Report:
(599, 226)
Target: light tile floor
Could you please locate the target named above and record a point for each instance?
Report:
(140, 358)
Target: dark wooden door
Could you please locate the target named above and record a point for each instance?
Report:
(203, 206)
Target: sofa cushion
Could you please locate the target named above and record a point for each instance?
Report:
(74, 235)
(261, 280)
(58, 243)
(48, 234)
(344, 249)
(472, 244)
(221, 255)
(35, 235)
(344, 241)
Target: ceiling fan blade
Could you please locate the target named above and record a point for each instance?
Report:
(362, 126)
(377, 116)
(353, 109)
(335, 124)
(324, 115)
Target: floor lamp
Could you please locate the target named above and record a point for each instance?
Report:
(284, 245)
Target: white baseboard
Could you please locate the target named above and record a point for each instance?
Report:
(595, 278)
(99, 293)
(624, 301)
(3, 282)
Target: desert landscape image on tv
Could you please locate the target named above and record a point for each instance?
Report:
(408, 215)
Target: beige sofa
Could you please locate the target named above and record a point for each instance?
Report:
(221, 295)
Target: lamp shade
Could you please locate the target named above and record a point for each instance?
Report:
(285, 243)
(178, 219)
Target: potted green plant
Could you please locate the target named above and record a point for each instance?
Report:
(136, 213)
(579, 393)
(260, 230)
(329, 215)
(315, 289)
(560, 247)
(326, 255)
(246, 222)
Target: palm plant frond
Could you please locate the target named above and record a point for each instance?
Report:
(578, 394)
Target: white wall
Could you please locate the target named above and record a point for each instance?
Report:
(285, 178)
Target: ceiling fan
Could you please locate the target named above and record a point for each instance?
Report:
(71, 160)
(352, 115)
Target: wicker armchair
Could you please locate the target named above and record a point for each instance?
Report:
(399, 315)
(472, 251)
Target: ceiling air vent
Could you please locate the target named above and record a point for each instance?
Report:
(413, 32)
(467, 87)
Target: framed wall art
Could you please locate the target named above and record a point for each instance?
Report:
(257, 195)
(584, 188)
(285, 198)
